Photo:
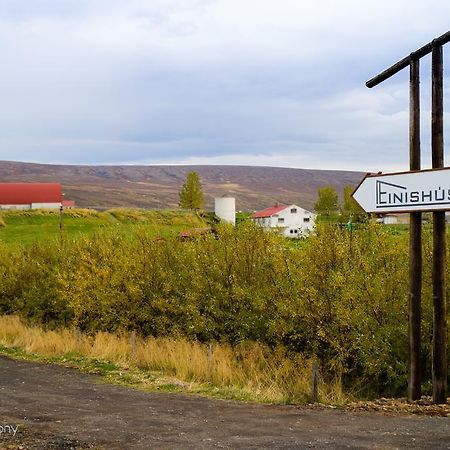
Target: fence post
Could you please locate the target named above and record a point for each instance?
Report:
(78, 334)
(210, 352)
(314, 381)
(133, 343)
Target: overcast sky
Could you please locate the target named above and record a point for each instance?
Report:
(247, 82)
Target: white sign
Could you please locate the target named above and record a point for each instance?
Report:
(425, 190)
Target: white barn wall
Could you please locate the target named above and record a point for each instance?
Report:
(45, 205)
(19, 207)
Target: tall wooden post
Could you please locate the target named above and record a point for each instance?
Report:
(439, 244)
(439, 241)
(415, 241)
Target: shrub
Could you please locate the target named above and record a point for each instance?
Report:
(341, 296)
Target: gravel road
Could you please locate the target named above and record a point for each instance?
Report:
(53, 407)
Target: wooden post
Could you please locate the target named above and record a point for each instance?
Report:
(439, 362)
(415, 241)
(439, 244)
(314, 381)
(133, 344)
(78, 334)
(210, 352)
(406, 61)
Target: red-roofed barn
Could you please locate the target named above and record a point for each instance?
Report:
(30, 195)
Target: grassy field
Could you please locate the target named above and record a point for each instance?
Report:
(27, 227)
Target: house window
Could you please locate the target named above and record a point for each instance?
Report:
(295, 231)
(292, 231)
(280, 219)
(293, 210)
(305, 219)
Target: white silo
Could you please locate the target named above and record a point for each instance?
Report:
(225, 209)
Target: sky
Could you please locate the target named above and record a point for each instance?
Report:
(242, 82)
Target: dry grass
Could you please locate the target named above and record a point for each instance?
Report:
(258, 372)
(161, 217)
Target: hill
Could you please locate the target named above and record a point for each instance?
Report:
(158, 186)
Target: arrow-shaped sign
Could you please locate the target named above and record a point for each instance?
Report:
(425, 190)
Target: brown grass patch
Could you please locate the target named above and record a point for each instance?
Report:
(260, 373)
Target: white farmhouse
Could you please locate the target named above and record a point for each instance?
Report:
(291, 220)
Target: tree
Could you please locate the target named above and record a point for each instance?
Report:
(350, 209)
(327, 203)
(191, 194)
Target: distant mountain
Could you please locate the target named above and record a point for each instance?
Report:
(158, 186)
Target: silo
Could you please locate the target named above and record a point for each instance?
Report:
(225, 209)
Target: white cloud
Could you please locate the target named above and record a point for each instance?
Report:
(210, 80)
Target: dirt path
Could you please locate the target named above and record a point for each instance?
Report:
(59, 408)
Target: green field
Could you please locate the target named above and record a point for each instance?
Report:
(31, 226)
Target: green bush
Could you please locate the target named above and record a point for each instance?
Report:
(341, 296)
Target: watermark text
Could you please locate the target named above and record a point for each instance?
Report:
(8, 429)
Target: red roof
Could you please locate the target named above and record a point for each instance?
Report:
(27, 193)
(268, 212)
